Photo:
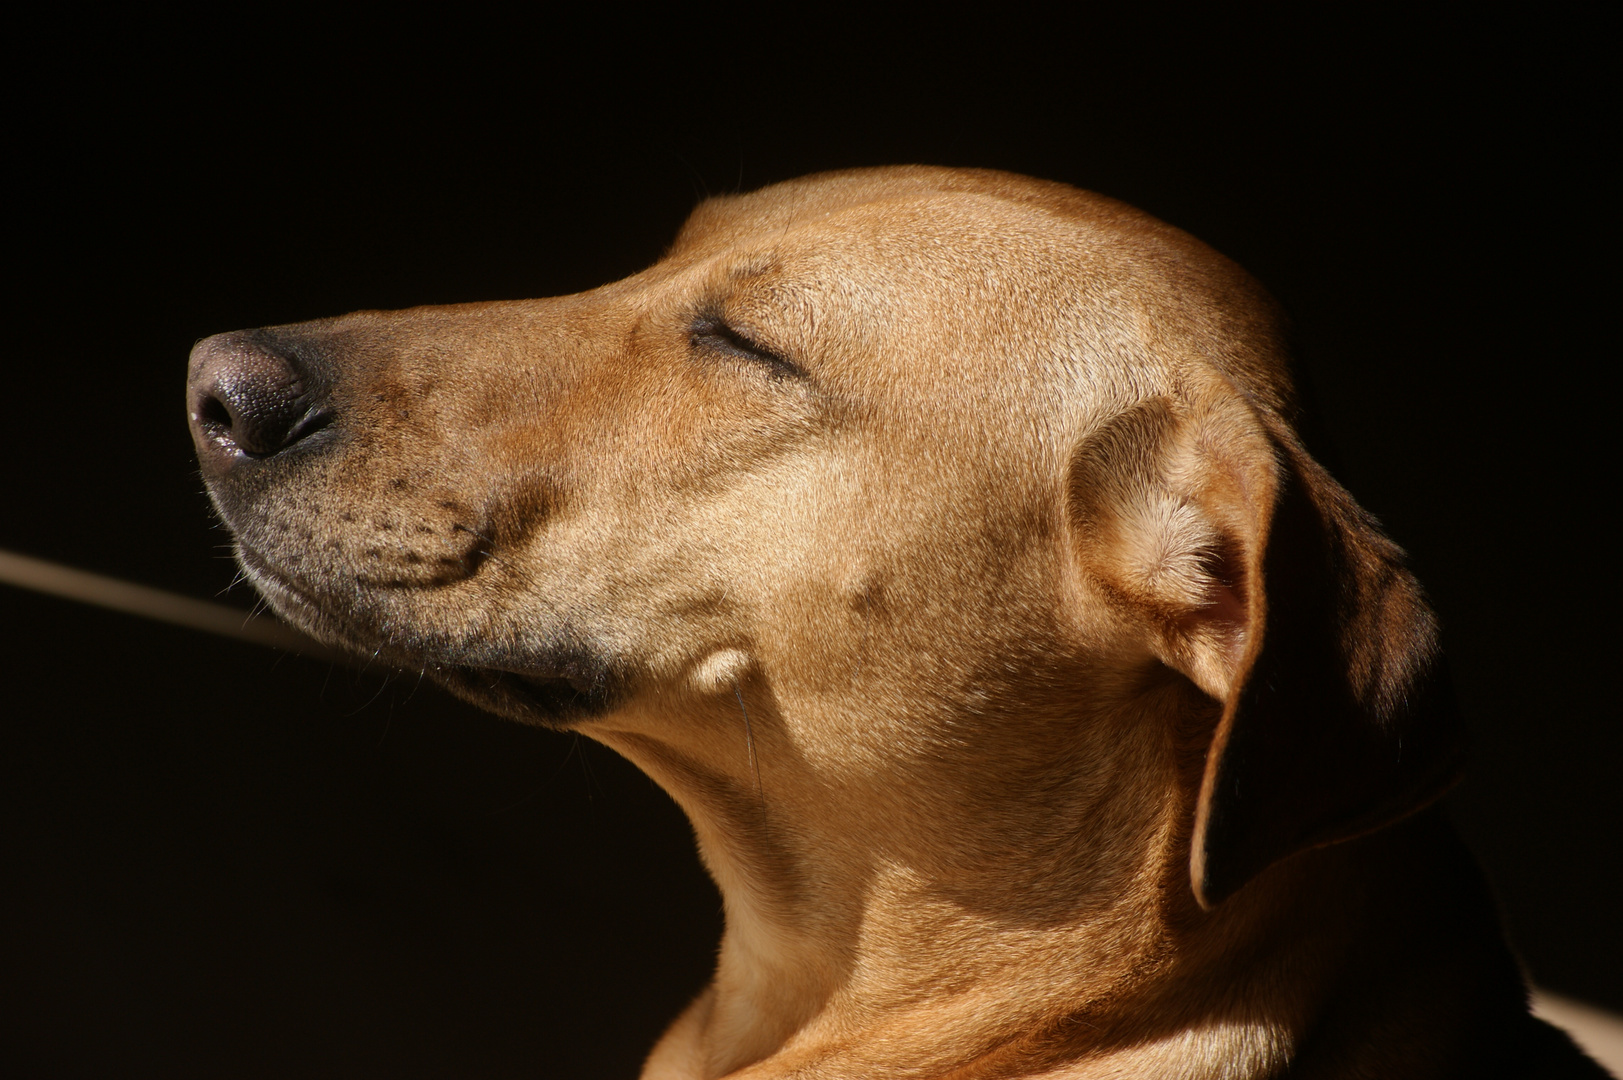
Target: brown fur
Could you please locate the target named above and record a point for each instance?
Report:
(940, 541)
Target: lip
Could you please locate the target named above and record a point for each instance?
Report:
(531, 697)
(291, 602)
(348, 642)
(551, 701)
(274, 585)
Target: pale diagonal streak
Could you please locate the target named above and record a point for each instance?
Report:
(69, 583)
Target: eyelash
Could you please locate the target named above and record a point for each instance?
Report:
(710, 332)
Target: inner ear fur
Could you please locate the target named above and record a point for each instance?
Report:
(1257, 577)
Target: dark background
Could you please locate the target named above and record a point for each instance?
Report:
(215, 860)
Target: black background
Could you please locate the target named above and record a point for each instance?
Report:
(220, 861)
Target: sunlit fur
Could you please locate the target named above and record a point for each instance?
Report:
(949, 621)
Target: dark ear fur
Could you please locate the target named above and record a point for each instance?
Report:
(1262, 581)
(1342, 720)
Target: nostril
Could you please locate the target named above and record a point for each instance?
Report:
(251, 398)
(212, 413)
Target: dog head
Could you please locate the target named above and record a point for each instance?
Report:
(929, 472)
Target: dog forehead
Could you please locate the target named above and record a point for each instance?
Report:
(1066, 270)
(905, 247)
(926, 269)
(908, 203)
(726, 219)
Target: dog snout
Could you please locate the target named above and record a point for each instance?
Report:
(249, 397)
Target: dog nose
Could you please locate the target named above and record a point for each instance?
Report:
(248, 397)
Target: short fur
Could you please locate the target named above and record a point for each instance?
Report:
(941, 542)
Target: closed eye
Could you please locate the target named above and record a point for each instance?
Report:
(710, 333)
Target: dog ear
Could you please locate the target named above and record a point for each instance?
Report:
(1264, 583)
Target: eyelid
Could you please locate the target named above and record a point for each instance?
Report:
(712, 332)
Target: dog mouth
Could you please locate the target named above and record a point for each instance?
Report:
(567, 682)
(547, 700)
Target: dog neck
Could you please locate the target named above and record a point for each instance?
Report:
(861, 936)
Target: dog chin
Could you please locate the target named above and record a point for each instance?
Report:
(547, 701)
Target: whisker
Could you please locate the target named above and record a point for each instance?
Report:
(422, 673)
(591, 777)
(749, 741)
(383, 685)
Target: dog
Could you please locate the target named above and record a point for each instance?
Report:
(941, 541)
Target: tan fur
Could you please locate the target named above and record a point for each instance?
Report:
(1023, 678)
